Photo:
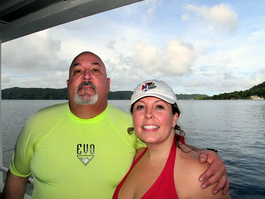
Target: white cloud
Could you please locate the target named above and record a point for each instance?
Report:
(146, 57)
(33, 61)
(179, 57)
(253, 79)
(221, 16)
(7, 81)
(175, 60)
(153, 4)
(199, 83)
(36, 52)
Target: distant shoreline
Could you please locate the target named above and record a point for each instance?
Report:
(255, 93)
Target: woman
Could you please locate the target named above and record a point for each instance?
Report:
(167, 168)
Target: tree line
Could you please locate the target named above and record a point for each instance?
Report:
(257, 90)
(16, 93)
(61, 94)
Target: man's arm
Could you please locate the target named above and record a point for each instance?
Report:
(215, 173)
(14, 186)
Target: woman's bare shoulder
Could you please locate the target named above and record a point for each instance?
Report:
(188, 160)
(138, 152)
(187, 171)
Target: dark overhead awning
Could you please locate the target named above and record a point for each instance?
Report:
(22, 17)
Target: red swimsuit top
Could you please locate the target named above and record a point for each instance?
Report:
(164, 186)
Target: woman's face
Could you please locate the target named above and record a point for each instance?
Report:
(153, 119)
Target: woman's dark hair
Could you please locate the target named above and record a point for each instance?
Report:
(175, 109)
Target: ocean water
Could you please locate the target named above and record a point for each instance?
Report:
(235, 127)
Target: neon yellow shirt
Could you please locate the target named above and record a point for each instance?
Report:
(71, 157)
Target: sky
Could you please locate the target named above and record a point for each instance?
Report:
(203, 47)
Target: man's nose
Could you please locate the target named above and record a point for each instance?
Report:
(87, 76)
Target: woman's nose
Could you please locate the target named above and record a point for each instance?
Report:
(149, 114)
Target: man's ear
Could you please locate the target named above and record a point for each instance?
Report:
(67, 82)
(108, 80)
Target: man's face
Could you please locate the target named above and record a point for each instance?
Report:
(88, 80)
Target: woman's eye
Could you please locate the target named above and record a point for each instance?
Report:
(139, 107)
(160, 107)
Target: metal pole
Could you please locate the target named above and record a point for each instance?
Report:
(1, 150)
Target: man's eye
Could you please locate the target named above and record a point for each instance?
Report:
(77, 71)
(96, 70)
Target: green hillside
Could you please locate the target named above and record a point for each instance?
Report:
(61, 94)
(258, 90)
(34, 93)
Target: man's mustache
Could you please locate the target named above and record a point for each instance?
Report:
(86, 83)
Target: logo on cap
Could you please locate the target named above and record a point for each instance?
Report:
(148, 85)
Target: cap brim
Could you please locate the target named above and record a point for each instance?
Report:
(142, 95)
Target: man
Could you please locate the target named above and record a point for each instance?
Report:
(81, 149)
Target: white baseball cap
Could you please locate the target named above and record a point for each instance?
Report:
(154, 88)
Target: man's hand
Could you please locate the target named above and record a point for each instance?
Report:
(215, 173)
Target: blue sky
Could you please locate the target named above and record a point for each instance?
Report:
(206, 47)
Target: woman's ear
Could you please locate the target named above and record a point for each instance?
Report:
(175, 119)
